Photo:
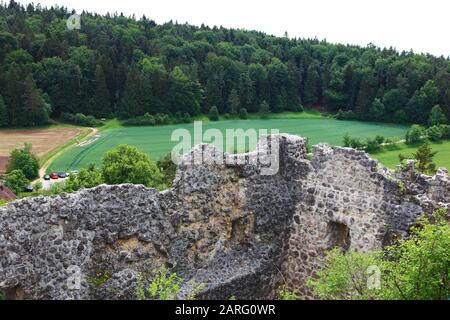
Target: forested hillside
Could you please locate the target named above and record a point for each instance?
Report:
(125, 67)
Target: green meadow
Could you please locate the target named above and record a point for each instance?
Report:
(156, 140)
(388, 156)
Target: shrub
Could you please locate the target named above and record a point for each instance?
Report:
(126, 164)
(372, 145)
(285, 294)
(434, 133)
(445, 131)
(356, 143)
(243, 114)
(415, 268)
(162, 118)
(214, 113)
(165, 285)
(437, 116)
(379, 139)
(346, 140)
(415, 134)
(345, 115)
(85, 178)
(37, 186)
(80, 119)
(167, 168)
(16, 180)
(24, 160)
(145, 120)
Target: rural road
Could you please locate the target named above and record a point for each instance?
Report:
(43, 169)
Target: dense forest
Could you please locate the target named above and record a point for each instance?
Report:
(117, 66)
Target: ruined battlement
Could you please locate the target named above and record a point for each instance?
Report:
(223, 223)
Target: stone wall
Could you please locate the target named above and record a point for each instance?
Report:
(222, 223)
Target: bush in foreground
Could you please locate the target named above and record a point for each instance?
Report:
(414, 268)
(24, 160)
(126, 164)
(16, 180)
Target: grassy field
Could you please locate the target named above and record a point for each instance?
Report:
(156, 141)
(389, 156)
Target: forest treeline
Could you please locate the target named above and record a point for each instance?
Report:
(117, 66)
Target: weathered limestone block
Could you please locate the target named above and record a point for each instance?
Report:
(223, 223)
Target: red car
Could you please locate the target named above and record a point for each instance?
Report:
(54, 176)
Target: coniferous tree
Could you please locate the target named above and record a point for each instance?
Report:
(35, 110)
(4, 121)
(131, 104)
(264, 110)
(185, 95)
(175, 69)
(311, 94)
(100, 104)
(424, 157)
(214, 113)
(234, 102)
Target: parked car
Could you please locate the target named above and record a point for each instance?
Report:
(54, 176)
(28, 188)
(62, 175)
(47, 177)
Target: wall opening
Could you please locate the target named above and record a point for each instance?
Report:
(338, 235)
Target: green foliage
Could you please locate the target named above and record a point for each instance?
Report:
(2, 296)
(100, 278)
(137, 66)
(345, 115)
(234, 102)
(285, 294)
(417, 268)
(377, 110)
(437, 116)
(4, 121)
(165, 285)
(243, 114)
(214, 114)
(424, 159)
(415, 134)
(167, 168)
(3, 202)
(345, 276)
(158, 119)
(126, 164)
(37, 186)
(16, 180)
(372, 145)
(145, 120)
(414, 268)
(100, 103)
(24, 160)
(445, 128)
(434, 133)
(264, 110)
(80, 119)
(85, 178)
(355, 143)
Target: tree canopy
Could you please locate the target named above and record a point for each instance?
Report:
(127, 67)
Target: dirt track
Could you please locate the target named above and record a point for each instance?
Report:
(43, 169)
